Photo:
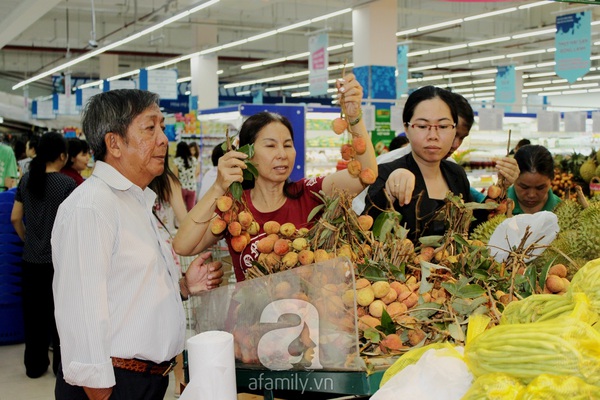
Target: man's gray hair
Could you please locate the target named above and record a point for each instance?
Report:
(113, 111)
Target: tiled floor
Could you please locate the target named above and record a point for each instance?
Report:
(15, 385)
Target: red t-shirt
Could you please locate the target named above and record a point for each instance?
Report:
(295, 211)
(68, 171)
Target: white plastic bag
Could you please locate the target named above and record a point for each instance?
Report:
(544, 228)
(437, 375)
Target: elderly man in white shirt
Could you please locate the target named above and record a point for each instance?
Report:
(117, 292)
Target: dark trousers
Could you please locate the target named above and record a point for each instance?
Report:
(129, 386)
(38, 319)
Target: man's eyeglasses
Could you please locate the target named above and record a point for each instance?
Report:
(425, 128)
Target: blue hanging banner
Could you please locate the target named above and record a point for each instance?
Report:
(573, 45)
(317, 63)
(505, 85)
(402, 71)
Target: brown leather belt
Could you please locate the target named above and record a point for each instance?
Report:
(144, 366)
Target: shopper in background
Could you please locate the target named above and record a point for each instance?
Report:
(211, 175)
(77, 160)
(271, 195)
(195, 151)
(398, 142)
(520, 143)
(39, 194)
(117, 291)
(9, 172)
(169, 207)
(532, 191)
(186, 169)
(30, 152)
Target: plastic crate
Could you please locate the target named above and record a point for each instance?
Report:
(11, 321)
(6, 268)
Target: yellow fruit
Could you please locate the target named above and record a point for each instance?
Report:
(380, 288)
(365, 296)
(376, 308)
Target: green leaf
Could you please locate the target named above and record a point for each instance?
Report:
(247, 149)
(251, 169)
(374, 273)
(426, 286)
(315, 211)
(470, 291)
(247, 175)
(467, 306)
(236, 190)
(459, 239)
(431, 241)
(456, 332)
(451, 288)
(372, 334)
(544, 272)
(423, 311)
(383, 225)
(387, 324)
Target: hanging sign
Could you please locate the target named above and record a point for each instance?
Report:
(402, 71)
(318, 62)
(575, 121)
(120, 84)
(490, 119)
(505, 85)
(42, 109)
(160, 81)
(573, 45)
(83, 95)
(548, 121)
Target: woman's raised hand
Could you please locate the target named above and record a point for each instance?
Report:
(351, 95)
(230, 169)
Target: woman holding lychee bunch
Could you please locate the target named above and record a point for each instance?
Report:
(430, 118)
(271, 196)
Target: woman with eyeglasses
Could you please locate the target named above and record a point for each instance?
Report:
(430, 116)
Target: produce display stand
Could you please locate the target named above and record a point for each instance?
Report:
(290, 333)
(335, 382)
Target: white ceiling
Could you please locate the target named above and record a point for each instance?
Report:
(35, 35)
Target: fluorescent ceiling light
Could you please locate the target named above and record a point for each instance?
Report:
(489, 41)
(522, 67)
(536, 4)
(418, 53)
(484, 72)
(491, 14)
(294, 26)
(453, 63)
(480, 81)
(424, 68)
(261, 36)
(557, 87)
(448, 48)
(457, 75)
(546, 64)
(299, 55)
(491, 58)
(439, 25)
(301, 94)
(542, 74)
(584, 85)
(243, 93)
(91, 84)
(406, 32)
(526, 53)
(432, 78)
(534, 33)
(591, 78)
(532, 90)
(537, 83)
(123, 75)
(481, 89)
(331, 15)
(118, 43)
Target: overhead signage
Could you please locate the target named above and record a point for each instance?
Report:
(402, 71)
(318, 62)
(548, 121)
(573, 45)
(160, 81)
(505, 86)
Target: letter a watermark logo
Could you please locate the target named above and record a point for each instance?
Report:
(273, 346)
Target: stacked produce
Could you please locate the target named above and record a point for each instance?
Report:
(403, 296)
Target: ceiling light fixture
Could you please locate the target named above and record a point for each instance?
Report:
(491, 14)
(489, 41)
(440, 25)
(118, 43)
(534, 33)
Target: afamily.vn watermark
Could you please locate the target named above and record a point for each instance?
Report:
(293, 382)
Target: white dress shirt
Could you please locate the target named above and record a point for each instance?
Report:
(116, 290)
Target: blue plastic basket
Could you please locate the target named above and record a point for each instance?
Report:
(11, 322)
